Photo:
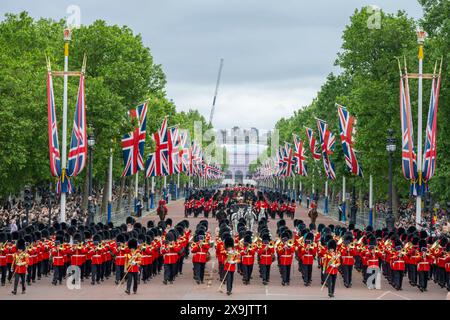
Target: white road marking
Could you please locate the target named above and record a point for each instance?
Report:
(396, 294)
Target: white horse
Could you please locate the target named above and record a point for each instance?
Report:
(235, 217)
(250, 217)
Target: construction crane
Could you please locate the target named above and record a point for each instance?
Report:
(215, 93)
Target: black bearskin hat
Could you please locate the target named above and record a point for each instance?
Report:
(332, 244)
(20, 245)
(132, 243)
(229, 242)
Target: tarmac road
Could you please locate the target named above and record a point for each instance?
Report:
(184, 286)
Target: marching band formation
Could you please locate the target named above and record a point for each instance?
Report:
(134, 254)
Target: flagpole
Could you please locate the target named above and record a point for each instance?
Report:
(343, 199)
(165, 188)
(325, 208)
(136, 185)
(67, 38)
(110, 169)
(152, 194)
(420, 41)
(178, 186)
(371, 218)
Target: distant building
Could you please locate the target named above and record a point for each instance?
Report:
(243, 147)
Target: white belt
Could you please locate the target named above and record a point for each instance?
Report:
(200, 252)
(424, 262)
(171, 254)
(286, 255)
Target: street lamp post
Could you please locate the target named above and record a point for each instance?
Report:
(390, 148)
(91, 143)
(353, 208)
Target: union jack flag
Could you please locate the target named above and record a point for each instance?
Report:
(299, 156)
(430, 154)
(133, 143)
(53, 146)
(312, 144)
(327, 140)
(409, 165)
(183, 151)
(150, 166)
(78, 141)
(162, 150)
(346, 122)
(173, 150)
(288, 160)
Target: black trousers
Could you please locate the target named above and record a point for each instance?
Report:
(331, 282)
(285, 273)
(397, 279)
(221, 271)
(230, 277)
(3, 270)
(281, 214)
(447, 276)
(144, 272)
(180, 264)
(169, 271)
(412, 274)
(160, 263)
(29, 274)
(88, 268)
(132, 277)
(307, 272)
(247, 272)
(199, 271)
(18, 276)
(58, 272)
(265, 272)
(119, 272)
(206, 213)
(10, 273)
(441, 279)
(155, 267)
(96, 272)
(347, 274)
(423, 279)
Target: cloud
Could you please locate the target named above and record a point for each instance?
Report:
(277, 53)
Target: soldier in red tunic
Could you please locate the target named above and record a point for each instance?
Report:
(247, 259)
(307, 252)
(230, 263)
(331, 262)
(132, 262)
(423, 265)
(348, 252)
(19, 265)
(3, 265)
(119, 260)
(285, 251)
(96, 259)
(170, 253)
(199, 248)
(58, 254)
(266, 254)
(398, 266)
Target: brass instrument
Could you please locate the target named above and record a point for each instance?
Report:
(290, 243)
(193, 245)
(271, 244)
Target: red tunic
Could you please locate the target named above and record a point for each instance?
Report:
(200, 253)
(286, 255)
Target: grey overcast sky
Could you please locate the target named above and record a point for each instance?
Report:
(277, 53)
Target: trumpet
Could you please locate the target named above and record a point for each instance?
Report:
(193, 245)
(271, 244)
(290, 243)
